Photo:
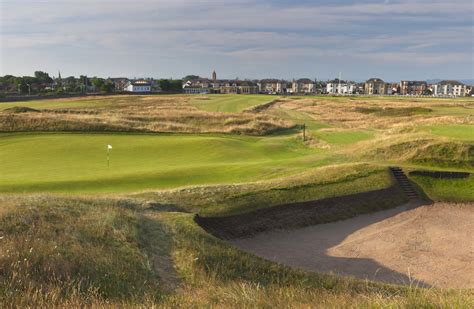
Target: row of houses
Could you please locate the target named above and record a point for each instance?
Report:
(373, 86)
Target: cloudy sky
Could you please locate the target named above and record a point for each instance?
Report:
(391, 39)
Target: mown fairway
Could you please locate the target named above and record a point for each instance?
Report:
(230, 103)
(56, 104)
(77, 162)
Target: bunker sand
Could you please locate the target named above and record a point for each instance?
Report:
(427, 246)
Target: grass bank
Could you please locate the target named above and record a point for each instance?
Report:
(310, 185)
(446, 189)
(95, 252)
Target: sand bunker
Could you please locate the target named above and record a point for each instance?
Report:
(427, 245)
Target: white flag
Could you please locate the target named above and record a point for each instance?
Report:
(109, 146)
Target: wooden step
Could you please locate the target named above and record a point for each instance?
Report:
(404, 183)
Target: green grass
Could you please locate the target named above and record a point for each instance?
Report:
(77, 163)
(58, 104)
(344, 137)
(453, 110)
(449, 190)
(230, 103)
(463, 132)
(313, 184)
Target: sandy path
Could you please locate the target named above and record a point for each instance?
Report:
(428, 245)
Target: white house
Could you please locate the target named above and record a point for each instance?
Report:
(450, 88)
(340, 87)
(138, 86)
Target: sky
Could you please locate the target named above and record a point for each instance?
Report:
(389, 39)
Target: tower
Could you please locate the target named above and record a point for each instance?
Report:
(214, 75)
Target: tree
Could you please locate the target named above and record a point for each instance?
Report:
(176, 85)
(165, 84)
(97, 82)
(190, 77)
(107, 87)
(43, 77)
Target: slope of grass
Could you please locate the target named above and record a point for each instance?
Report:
(230, 103)
(222, 200)
(55, 249)
(449, 190)
(63, 252)
(77, 162)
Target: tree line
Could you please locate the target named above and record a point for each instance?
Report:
(42, 83)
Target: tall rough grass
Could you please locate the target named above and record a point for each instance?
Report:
(77, 252)
(141, 114)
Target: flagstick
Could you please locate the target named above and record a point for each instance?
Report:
(108, 157)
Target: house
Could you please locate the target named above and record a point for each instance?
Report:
(138, 86)
(238, 87)
(375, 86)
(205, 86)
(450, 88)
(412, 87)
(303, 86)
(199, 86)
(272, 86)
(337, 86)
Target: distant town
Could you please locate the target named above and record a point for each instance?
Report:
(43, 84)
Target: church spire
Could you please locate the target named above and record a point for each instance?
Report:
(214, 75)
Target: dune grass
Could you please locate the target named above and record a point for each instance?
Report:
(133, 113)
(57, 251)
(230, 103)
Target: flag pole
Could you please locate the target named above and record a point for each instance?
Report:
(108, 155)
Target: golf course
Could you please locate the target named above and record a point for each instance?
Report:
(197, 195)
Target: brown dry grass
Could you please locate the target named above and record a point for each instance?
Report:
(395, 114)
(141, 114)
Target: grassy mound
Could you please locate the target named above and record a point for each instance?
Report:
(20, 109)
(428, 152)
(148, 114)
(54, 249)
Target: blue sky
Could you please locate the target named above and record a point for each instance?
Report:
(391, 39)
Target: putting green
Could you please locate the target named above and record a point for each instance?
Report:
(77, 162)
